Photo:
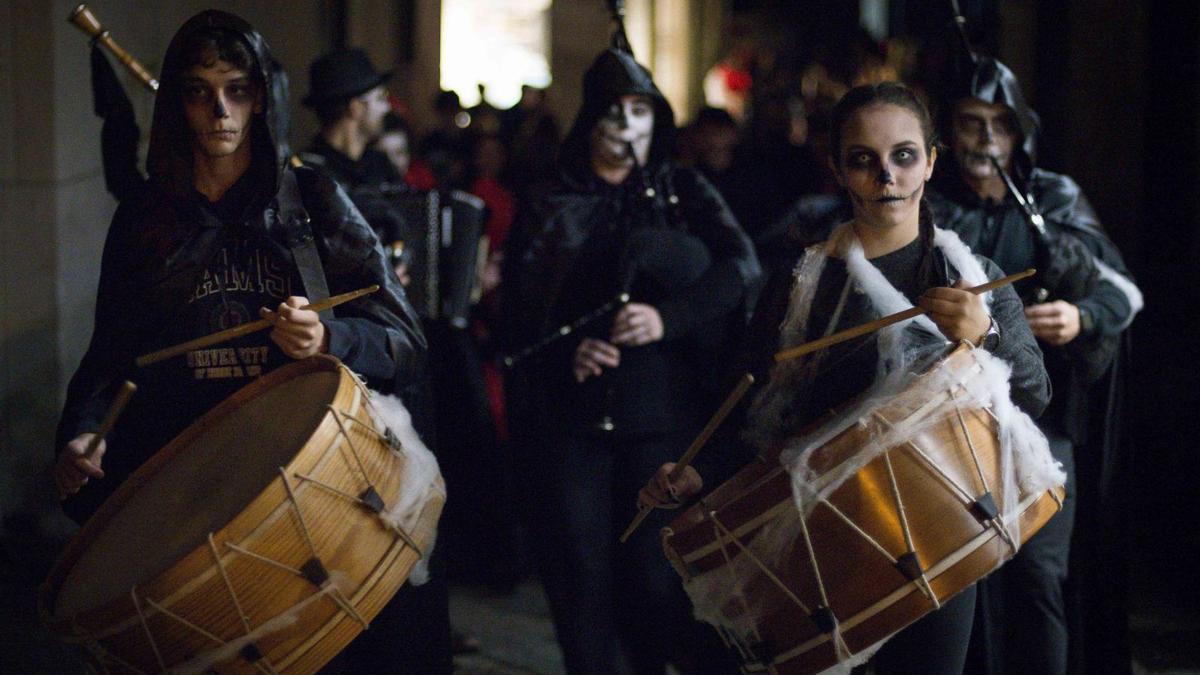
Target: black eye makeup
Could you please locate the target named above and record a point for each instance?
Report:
(859, 159)
(199, 91)
(240, 91)
(977, 126)
(195, 92)
(905, 156)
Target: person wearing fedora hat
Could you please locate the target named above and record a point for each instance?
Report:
(348, 95)
(350, 101)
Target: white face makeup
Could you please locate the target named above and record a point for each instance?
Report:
(629, 121)
(374, 108)
(220, 102)
(982, 130)
(883, 165)
(394, 144)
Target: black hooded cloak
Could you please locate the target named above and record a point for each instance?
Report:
(664, 234)
(1081, 265)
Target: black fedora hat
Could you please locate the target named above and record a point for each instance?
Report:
(342, 74)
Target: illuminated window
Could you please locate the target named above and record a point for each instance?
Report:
(501, 44)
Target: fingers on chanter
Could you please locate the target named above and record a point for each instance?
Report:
(603, 352)
(1044, 309)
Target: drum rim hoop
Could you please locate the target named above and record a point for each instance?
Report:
(693, 516)
(98, 522)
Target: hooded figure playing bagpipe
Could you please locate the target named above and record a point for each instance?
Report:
(621, 394)
(1078, 306)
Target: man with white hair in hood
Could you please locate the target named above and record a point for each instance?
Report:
(1078, 306)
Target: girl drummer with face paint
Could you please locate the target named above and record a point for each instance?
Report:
(884, 153)
(610, 403)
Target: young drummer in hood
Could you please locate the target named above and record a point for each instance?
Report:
(225, 232)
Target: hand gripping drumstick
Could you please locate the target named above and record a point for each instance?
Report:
(86, 21)
(849, 333)
(744, 384)
(110, 420)
(245, 329)
(736, 395)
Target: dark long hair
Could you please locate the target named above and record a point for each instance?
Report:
(899, 95)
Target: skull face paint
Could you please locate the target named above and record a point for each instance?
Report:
(220, 102)
(628, 121)
(883, 164)
(982, 130)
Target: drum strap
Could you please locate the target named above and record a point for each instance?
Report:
(301, 241)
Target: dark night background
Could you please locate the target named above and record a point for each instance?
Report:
(1117, 85)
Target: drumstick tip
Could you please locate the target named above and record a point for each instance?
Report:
(643, 511)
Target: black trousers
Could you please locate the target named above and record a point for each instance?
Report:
(1020, 622)
(409, 636)
(934, 645)
(616, 607)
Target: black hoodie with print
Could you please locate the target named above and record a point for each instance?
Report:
(176, 267)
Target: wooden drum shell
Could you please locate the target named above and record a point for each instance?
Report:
(867, 593)
(366, 559)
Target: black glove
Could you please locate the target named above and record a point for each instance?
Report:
(1066, 267)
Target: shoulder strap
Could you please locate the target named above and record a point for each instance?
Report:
(301, 241)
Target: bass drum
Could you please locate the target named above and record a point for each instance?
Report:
(886, 536)
(261, 539)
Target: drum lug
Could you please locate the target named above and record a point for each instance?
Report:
(251, 653)
(370, 498)
(910, 566)
(984, 507)
(314, 570)
(392, 440)
(825, 619)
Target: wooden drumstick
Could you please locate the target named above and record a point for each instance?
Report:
(86, 21)
(850, 333)
(110, 418)
(685, 461)
(245, 329)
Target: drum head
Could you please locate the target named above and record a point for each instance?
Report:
(197, 484)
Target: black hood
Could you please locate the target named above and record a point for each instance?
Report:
(989, 80)
(169, 160)
(612, 75)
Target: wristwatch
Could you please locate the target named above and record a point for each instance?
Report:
(991, 339)
(1087, 323)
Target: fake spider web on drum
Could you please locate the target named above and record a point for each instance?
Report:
(832, 541)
